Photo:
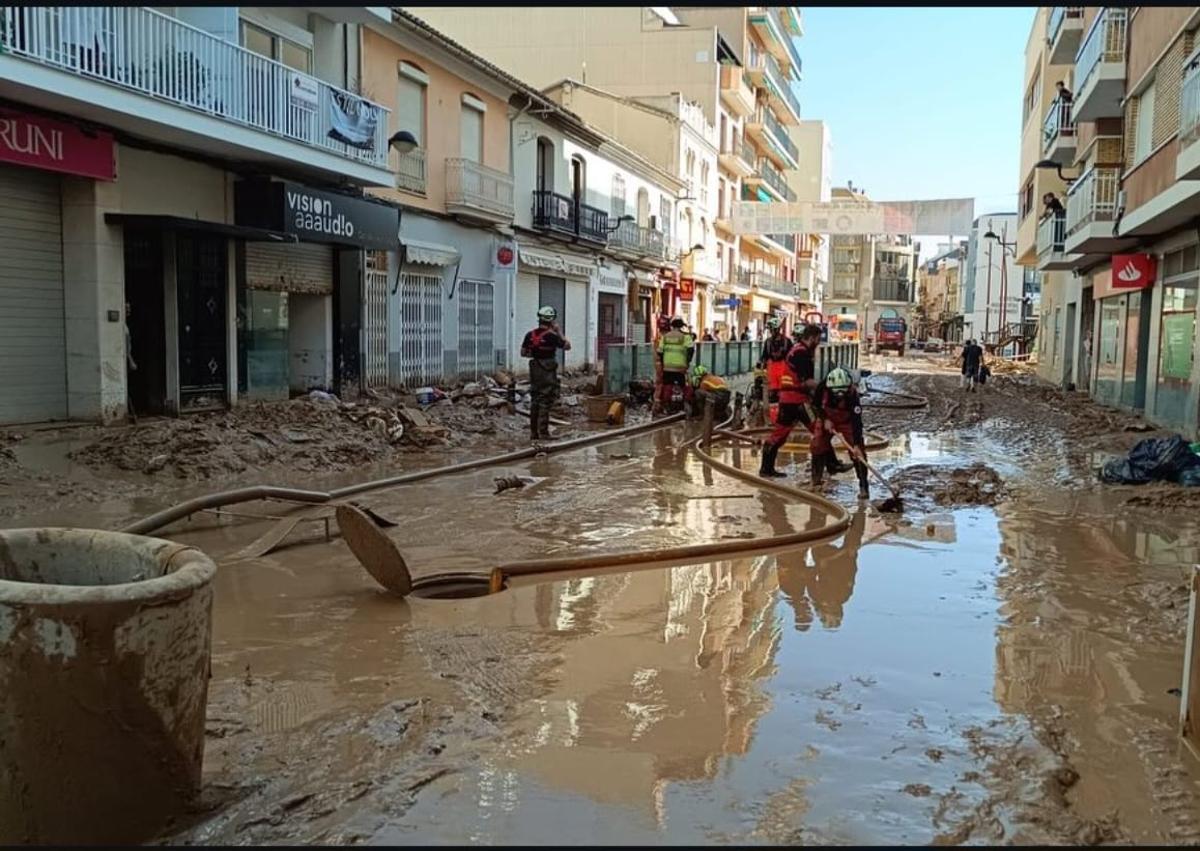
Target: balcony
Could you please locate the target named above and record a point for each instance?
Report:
(1091, 204)
(775, 34)
(898, 290)
(1100, 67)
(1187, 166)
(744, 278)
(702, 266)
(1064, 30)
(1051, 236)
(735, 93)
(738, 158)
(766, 174)
(765, 128)
(410, 171)
(149, 74)
(637, 241)
(567, 217)
(780, 243)
(474, 191)
(773, 285)
(1058, 133)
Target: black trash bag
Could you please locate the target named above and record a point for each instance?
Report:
(1189, 478)
(1151, 460)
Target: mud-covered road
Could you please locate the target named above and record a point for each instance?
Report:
(995, 666)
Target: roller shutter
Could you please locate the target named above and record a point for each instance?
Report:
(33, 351)
(294, 267)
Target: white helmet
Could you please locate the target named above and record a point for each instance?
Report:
(546, 313)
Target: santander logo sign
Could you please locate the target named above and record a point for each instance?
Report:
(1133, 271)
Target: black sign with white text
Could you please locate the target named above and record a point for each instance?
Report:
(313, 215)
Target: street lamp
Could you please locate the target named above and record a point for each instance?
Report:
(403, 141)
(1004, 248)
(1057, 167)
(617, 226)
(697, 247)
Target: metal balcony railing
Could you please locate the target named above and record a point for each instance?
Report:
(1051, 233)
(780, 134)
(144, 51)
(746, 153)
(744, 278)
(1093, 197)
(1059, 14)
(639, 240)
(891, 289)
(471, 184)
(1058, 123)
(845, 286)
(1189, 105)
(564, 214)
(774, 284)
(1104, 42)
(410, 171)
(787, 240)
(777, 84)
(775, 179)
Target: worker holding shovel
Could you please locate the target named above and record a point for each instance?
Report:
(839, 403)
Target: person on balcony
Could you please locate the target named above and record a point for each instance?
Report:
(1064, 94)
(1052, 205)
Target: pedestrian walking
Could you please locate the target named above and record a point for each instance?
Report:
(541, 346)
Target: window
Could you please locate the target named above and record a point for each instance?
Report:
(643, 207)
(664, 210)
(618, 196)
(1027, 199)
(258, 40)
(1144, 132)
(471, 135)
(579, 179)
(410, 111)
(545, 165)
(1032, 96)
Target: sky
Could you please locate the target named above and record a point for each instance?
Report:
(920, 103)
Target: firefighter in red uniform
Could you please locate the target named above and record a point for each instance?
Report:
(796, 389)
(839, 404)
(774, 352)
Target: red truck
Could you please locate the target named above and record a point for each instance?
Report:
(890, 333)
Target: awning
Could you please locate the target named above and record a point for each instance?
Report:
(429, 253)
(549, 261)
(181, 223)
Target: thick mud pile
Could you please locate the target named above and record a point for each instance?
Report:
(977, 484)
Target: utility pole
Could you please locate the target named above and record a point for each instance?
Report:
(987, 308)
(1003, 280)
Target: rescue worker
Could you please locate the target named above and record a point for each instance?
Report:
(774, 350)
(705, 386)
(675, 350)
(839, 404)
(541, 346)
(795, 399)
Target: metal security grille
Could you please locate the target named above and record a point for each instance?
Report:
(420, 328)
(476, 321)
(375, 326)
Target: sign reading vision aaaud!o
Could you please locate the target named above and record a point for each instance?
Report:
(313, 215)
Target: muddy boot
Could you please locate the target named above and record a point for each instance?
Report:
(767, 468)
(864, 490)
(833, 465)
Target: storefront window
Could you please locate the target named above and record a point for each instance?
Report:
(1108, 365)
(1132, 351)
(1177, 334)
(264, 338)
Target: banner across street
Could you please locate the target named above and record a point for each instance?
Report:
(855, 217)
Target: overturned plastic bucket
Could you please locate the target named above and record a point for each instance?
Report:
(104, 662)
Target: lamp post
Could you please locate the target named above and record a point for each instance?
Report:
(1004, 248)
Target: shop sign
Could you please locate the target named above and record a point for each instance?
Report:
(687, 289)
(1133, 271)
(304, 92)
(313, 215)
(733, 302)
(38, 142)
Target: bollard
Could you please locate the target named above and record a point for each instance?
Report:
(738, 402)
(709, 413)
(104, 666)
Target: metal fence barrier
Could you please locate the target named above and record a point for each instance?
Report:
(632, 361)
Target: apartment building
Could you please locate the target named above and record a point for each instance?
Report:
(1128, 236)
(675, 136)
(938, 294)
(871, 276)
(813, 182)
(992, 301)
(1049, 138)
(159, 170)
(739, 64)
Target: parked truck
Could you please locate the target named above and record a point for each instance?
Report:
(890, 334)
(843, 328)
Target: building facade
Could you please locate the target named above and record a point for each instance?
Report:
(182, 222)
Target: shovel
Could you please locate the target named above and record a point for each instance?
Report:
(892, 505)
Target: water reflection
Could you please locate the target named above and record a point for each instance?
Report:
(822, 577)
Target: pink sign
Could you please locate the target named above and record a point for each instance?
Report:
(40, 142)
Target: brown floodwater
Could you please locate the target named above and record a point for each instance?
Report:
(960, 674)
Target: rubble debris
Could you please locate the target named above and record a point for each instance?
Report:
(1155, 460)
(976, 484)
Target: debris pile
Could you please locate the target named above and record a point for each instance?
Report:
(977, 484)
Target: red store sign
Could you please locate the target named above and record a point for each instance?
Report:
(687, 289)
(1133, 271)
(39, 142)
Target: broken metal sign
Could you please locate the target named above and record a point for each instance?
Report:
(854, 217)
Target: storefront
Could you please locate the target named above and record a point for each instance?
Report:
(1122, 339)
(608, 308)
(1173, 402)
(558, 279)
(35, 153)
(642, 292)
(301, 305)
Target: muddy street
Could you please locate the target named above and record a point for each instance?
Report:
(976, 670)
